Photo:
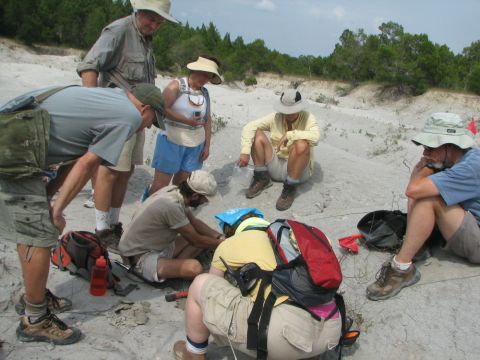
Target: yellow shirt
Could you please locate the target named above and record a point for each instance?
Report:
(305, 127)
(245, 247)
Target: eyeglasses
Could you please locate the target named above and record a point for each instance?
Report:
(196, 99)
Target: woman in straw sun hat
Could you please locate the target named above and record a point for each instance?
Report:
(186, 143)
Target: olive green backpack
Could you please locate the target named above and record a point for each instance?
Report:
(24, 135)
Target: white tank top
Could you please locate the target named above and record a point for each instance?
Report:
(180, 133)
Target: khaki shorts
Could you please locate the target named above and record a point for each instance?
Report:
(147, 264)
(132, 153)
(277, 168)
(292, 334)
(24, 213)
(466, 240)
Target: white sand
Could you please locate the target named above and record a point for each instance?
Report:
(362, 164)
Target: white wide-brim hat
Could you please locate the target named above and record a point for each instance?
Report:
(444, 128)
(161, 7)
(203, 183)
(206, 65)
(290, 102)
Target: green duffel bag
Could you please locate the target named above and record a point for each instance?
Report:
(24, 139)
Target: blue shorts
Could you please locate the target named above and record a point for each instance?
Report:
(171, 158)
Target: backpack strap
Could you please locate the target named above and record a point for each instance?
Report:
(262, 350)
(46, 94)
(207, 100)
(252, 332)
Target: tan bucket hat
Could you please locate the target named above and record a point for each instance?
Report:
(206, 65)
(290, 102)
(161, 7)
(203, 183)
(444, 128)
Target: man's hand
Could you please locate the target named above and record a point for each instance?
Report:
(243, 160)
(282, 142)
(58, 219)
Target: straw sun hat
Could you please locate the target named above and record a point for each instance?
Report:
(206, 65)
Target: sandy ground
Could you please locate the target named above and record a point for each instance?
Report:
(362, 164)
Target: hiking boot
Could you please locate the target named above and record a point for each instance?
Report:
(390, 281)
(181, 352)
(286, 198)
(55, 304)
(109, 239)
(48, 328)
(118, 230)
(261, 180)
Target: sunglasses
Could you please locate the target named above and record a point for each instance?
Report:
(428, 148)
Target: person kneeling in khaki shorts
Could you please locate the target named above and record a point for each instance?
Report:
(216, 307)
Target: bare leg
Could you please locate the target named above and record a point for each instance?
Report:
(262, 150)
(183, 265)
(104, 184)
(35, 271)
(298, 159)
(160, 180)
(196, 329)
(180, 177)
(120, 187)
(421, 219)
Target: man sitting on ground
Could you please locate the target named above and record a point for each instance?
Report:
(287, 156)
(216, 307)
(85, 127)
(164, 237)
(444, 189)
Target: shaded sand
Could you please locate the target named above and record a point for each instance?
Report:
(362, 164)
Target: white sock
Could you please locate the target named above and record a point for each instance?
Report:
(114, 215)
(400, 266)
(195, 348)
(102, 219)
(291, 181)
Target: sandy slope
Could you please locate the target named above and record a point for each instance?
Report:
(362, 164)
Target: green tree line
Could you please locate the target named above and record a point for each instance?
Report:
(410, 62)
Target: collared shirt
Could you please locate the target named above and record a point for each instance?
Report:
(305, 127)
(121, 55)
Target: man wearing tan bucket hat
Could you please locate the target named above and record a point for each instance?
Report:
(444, 190)
(287, 156)
(122, 57)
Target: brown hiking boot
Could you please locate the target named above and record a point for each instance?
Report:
(48, 328)
(390, 281)
(109, 239)
(286, 198)
(55, 304)
(181, 352)
(261, 181)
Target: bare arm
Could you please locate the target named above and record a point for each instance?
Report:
(78, 176)
(420, 185)
(189, 233)
(201, 227)
(208, 136)
(89, 78)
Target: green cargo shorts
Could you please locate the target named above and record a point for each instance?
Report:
(25, 216)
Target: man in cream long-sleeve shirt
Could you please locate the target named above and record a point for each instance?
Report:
(287, 155)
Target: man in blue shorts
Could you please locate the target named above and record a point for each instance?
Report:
(443, 190)
(87, 127)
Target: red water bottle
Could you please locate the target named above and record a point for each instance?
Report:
(98, 280)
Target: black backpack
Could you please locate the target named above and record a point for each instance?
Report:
(383, 229)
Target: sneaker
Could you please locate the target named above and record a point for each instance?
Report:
(181, 353)
(55, 304)
(109, 239)
(90, 202)
(48, 328)
(286, 198)
(390, 281)
(261, 180)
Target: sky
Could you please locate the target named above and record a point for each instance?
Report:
(313, 27)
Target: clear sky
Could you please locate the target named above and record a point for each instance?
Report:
(312, 27)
